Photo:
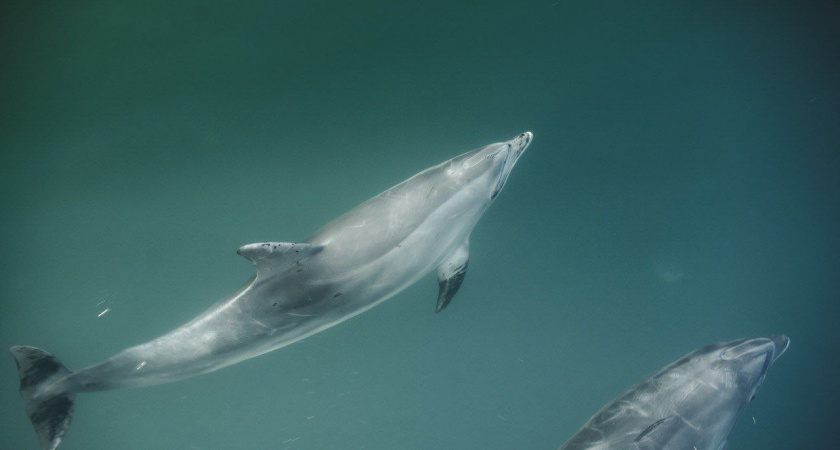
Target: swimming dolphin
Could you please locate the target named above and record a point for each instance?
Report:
(352, 264)
(690, 405)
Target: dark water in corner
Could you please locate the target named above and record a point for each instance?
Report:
(682, 189)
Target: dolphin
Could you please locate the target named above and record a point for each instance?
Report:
(691, 404)
(352, 264)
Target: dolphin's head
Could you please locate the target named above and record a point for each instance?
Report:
(739, 366)
(749, 359)
(714, 384)
(489, 167)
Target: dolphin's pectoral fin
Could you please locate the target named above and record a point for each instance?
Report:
(451, 274)
(662, 434)
(276, 256)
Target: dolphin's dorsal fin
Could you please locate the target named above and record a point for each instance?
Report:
(451, 274)
(276, 256)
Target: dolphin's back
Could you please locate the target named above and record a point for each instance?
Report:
(380, 224)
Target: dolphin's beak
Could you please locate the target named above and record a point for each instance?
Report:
(780, 344)
(520, 143)
(515, 148)
(767, 348)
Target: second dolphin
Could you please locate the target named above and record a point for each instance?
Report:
(690, 405)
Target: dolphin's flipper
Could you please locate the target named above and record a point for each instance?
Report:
(451, 274)
(664, 433)
(273, 257)
(49, 402)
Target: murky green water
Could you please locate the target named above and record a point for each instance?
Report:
(682, 189)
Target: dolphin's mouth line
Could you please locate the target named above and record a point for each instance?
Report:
(782, 343)
(503, 176)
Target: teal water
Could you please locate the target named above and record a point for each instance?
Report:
(682, 189)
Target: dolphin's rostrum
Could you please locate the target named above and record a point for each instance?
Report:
(352, 264)
(691, 404)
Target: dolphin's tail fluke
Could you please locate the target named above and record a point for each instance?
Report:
(49, 398)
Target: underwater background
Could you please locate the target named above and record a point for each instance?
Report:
(683, 188)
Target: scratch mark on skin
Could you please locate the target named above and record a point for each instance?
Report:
(105, 311)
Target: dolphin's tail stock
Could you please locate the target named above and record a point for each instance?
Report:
(49, 398)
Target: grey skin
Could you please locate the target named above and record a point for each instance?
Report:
(692, 404)
(349, 266)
